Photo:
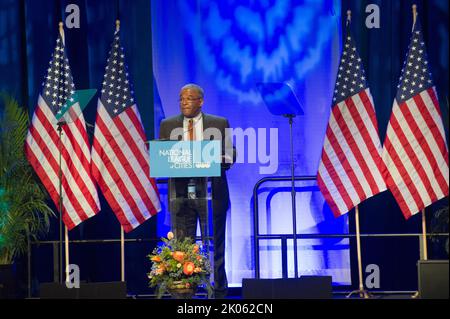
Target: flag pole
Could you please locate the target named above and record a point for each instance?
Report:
(66, 240)
(424, 242)
(424, 221)
(66, 232)
(61, 31)
(362, 292)
(122, 233)
(358, 248)
(117, 25)
(349, 17)
(424, 235)
(122, 254)
(60, 207)
(424, 225)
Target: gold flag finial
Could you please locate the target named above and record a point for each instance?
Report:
(414, 9)
(117, 25)
(349, 17)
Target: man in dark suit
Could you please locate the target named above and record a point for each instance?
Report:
(193, 124)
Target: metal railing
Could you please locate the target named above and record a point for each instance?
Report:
(284, 237)
(56, 243)
(257, 236)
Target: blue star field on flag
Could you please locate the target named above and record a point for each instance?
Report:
(117, 93)
(58, 85)
(415, 74)
(351, 78)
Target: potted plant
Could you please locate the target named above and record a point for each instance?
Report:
(24, 214)
(179, 267)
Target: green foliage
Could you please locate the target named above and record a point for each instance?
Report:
(24, 214)
(179, 264)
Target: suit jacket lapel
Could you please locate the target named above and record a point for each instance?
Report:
(206, 123)
(178, 123)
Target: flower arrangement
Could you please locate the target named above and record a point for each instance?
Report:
(178, 264)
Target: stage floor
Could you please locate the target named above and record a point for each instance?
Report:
(236, 294)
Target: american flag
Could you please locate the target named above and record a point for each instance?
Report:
(120, 158)
(349, 170)
(415, 151)
(79, 194)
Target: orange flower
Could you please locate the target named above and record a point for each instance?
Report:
(188, 285)
(197, 270)
(178, 256)
(195, 249)
(188, 268)
(199, 257)
(156, 259)
(160, 270)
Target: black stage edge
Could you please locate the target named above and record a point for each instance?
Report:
(97, 290)
(305, 287)
(433, 279)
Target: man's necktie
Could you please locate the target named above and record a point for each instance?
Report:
(191, 135)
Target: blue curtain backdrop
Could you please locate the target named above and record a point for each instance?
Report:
(228, 47)
(383, 52)
(28, 32)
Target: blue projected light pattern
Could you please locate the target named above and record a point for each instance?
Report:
(266, 40)
(233, 49)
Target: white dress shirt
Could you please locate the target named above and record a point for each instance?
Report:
(198, 127)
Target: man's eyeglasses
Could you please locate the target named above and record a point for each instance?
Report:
(188, 99)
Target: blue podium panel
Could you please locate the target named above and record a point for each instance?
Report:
(185, 158)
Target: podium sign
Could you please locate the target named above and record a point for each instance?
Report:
(185, 158)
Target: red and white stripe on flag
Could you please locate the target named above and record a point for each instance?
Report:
(350, 167)
(120, 157)
(415, 153)
(80, 199)
(42, 146)
(120, 165)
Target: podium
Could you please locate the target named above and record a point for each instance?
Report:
(189, 194)
(188, 165)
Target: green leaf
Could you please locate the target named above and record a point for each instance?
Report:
(24, 215)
